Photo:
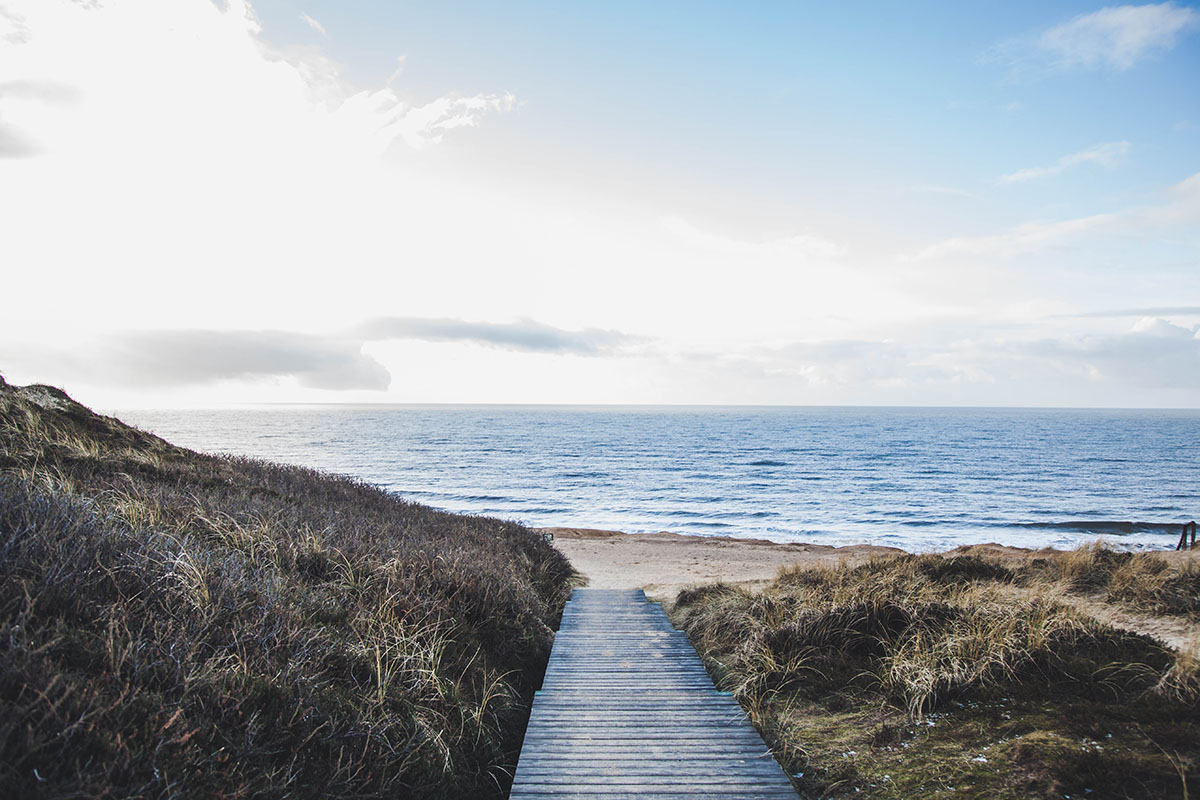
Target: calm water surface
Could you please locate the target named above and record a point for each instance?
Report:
(920, 479)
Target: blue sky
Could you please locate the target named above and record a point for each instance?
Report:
(920, 203)
(777, 92)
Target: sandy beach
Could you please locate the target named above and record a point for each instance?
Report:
(664, 563)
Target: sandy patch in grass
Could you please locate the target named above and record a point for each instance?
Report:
(1176, 631)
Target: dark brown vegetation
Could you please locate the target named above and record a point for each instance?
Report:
(177, 624)
(932, 676)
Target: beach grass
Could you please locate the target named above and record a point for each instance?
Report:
(966, 677)
(189, 625)
(1143, 582)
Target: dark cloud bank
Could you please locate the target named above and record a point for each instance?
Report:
(1158, 354)
(524, 336)
(190, 357)
(199, 356)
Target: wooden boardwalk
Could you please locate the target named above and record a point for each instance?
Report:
(628, 711)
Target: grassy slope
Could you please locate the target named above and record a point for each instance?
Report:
(926, 676)
(183, 624)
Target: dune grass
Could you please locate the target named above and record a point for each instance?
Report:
(931, 676)
(178, 624)
(1144, 582)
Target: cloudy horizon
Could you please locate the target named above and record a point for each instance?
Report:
(211, 203)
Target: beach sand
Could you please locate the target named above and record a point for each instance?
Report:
(664, 563)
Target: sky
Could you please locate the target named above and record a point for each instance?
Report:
(930, 203)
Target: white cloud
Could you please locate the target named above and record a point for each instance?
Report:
(193, 176)
(1026, 238)
(1116, 37)
(312, 23)
(983, 368)
(798, 246)
(427, 124)
(174, 73)
(1106, 154)
(14, 144)
(857, 364)
(1136, 312)
(12, 28)
(1153, 353)
(1157, 326)
(398, 73)
(1181, 207)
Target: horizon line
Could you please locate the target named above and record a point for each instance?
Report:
(231, 406)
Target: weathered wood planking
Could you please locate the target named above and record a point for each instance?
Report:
(628, 711)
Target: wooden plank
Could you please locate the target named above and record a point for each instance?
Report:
(641, 793)
(626, 710)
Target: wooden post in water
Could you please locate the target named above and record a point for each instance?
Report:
(1184, 544)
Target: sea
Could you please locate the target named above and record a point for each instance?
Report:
(923, 479)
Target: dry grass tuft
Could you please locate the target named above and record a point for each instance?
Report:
(1144, 582)
(908, 662)
(1181, 683)
(179, 624)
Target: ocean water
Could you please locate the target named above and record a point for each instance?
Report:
(920, 479)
